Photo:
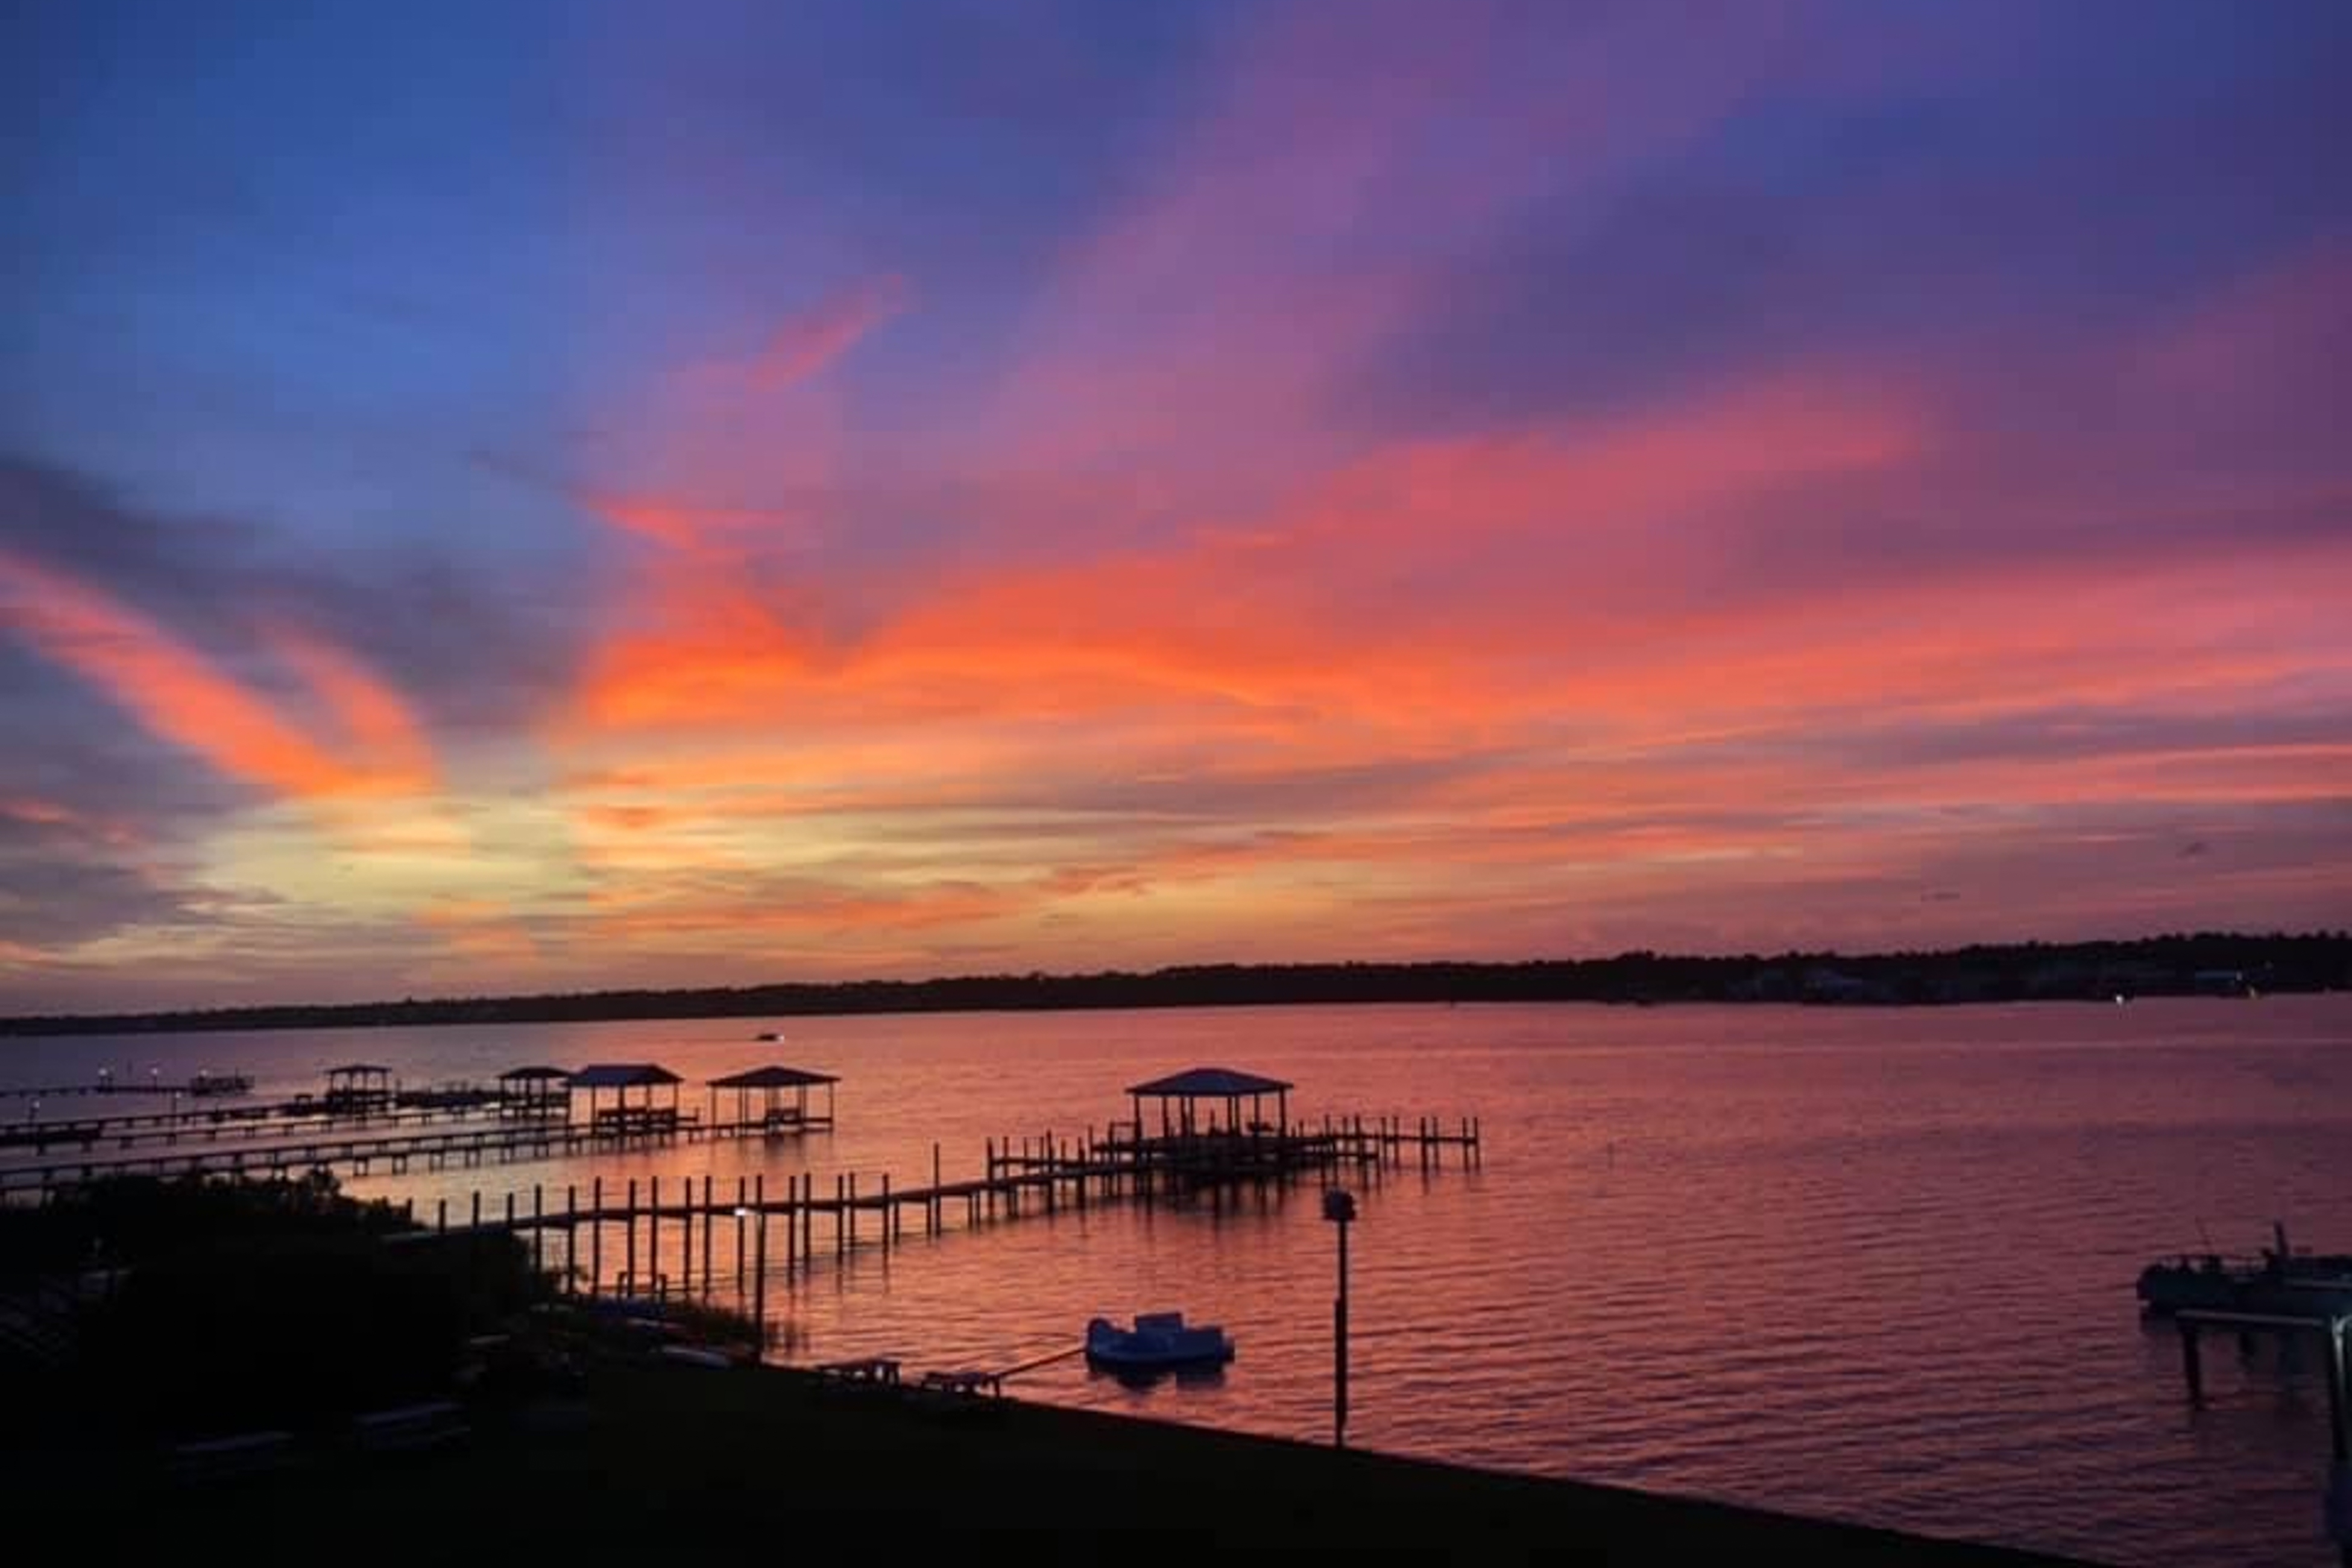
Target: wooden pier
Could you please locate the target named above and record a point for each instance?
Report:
(643, 1239)
(365, 1119)
(276, 1119)
(203, 1086)
(356, 1145)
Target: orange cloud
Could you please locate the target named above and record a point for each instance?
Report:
(46, 812)
(1268, 615)
(172, 689)
(374, 718)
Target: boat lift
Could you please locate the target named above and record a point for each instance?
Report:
(2335, 1330)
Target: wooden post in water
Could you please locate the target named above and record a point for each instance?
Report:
(2339, 1426)
(653, 1238)
(441, 1214)
(890, 1213)
(931, 1209)
(742, 1200)
(2339, 1403)
(2193, 1366)
(685, 1245)
(538, 1232)
(708, 1215)
(760, 1282)
(808, 1220)
(629, 1242)
(596, 1235)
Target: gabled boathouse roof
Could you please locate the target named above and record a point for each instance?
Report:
(1207, 1084)
(623, 1075)
(773, 1077)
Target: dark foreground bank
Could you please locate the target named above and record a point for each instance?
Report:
(649, 1456)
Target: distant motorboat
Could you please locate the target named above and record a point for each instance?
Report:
(1159, 1342)
(208, 1085)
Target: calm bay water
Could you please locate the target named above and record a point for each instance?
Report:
(1870, 1265)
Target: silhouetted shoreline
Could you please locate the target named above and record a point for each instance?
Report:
(2212, 964)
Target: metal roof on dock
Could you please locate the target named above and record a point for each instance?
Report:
(623, 1075)
(1208, 1084)
(772, 1078)
(533, 1074)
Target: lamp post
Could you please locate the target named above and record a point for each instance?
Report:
(1340, 1209)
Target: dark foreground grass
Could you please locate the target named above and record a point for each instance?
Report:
(681, 1463)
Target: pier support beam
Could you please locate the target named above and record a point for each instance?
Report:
(2339, 1429)
(2192, 1366)
(759, 1284)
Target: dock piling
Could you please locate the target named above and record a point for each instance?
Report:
(760, 1282)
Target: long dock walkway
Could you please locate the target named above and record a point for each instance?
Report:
(1045, 1174)
(279, 1119)
(358, 1146)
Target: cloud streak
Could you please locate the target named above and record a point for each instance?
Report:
(182, 697)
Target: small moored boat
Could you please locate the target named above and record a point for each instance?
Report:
(1159, 1341)
(2283, 1282)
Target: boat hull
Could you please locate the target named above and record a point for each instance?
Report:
(2167, 1288)
(1156, 1344)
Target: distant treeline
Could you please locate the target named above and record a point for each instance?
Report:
(2208, 963)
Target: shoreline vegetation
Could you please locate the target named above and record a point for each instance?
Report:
(2208, 964)
(264, 1363)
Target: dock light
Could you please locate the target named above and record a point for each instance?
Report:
(1340, 1209)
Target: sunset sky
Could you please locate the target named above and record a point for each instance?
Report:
(510, 498)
